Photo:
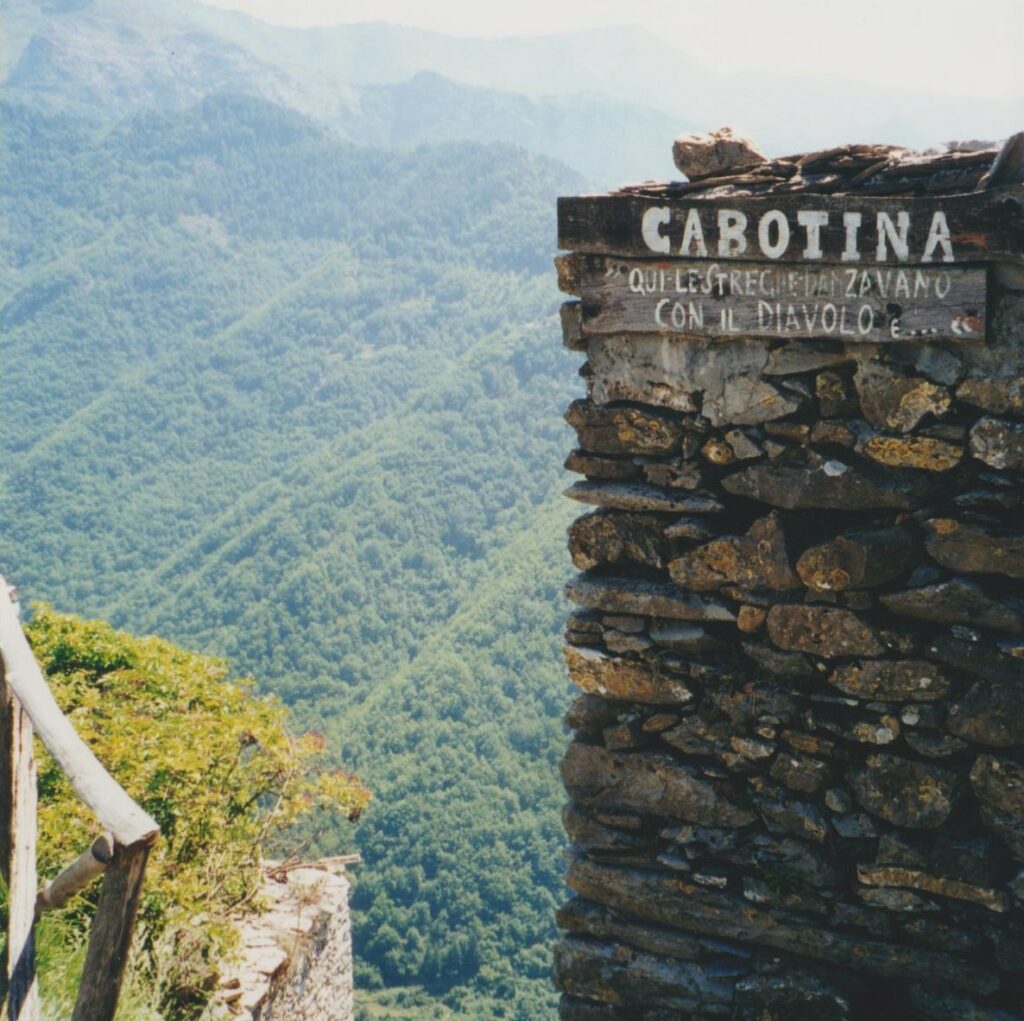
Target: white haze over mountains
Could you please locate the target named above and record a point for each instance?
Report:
(606, 100)
(933, 46)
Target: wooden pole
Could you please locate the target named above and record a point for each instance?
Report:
(18, 846)
(110, 937)
(77, 876)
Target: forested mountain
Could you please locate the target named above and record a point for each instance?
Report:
(276, 396)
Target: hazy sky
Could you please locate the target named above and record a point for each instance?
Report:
(963, 47)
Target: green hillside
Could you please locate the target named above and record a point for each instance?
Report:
(277, 397)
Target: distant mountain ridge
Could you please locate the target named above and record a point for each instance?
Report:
(607, 101)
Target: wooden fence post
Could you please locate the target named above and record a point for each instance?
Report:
(110, 937)
(26, 702)
(18, 856)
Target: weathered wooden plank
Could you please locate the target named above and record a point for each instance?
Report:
(972, 227)
(110, 937)
(90, 864)
(18, 825)
(849, 302)
(116, 811)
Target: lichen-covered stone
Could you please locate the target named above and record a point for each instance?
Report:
(891, 400)
(904, 792)
(622, 679)
(957, 601)
(795, 995)
(623, 430)
(999, 443)
(758, 559)
(598, 466)
(637, 497)
(836, 395)
(990, 713)
(696, 735)
(916, 452)
(860, 558)
(722, 381)
(647, 783)
(677, 473)
(891, 680)
(614, 973)
(802, 774)
(999, 396)
(588, 834)
(586, 919)
(670, 900)
(974, 549)
(647, 598)
(778, 663)
(607, 537)
(826, 484)
(999, 783)
(914, 879)
(979, 659)
(822, 631)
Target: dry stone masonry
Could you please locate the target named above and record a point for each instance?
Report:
(796, 777)
(295, 958)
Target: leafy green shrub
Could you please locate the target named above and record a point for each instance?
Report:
(214, 763)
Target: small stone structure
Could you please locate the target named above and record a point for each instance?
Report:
(796, 779)
(295, 962)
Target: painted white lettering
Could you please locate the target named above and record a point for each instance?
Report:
(865, 319)
(938, 237)
(650, 228)
(943, 282)
(812, 220)
(777, 248)
(693, 234)
(829, 317)
(895, 234)
(851, 221)
(636, 280)
(657, 312)
(732, 241)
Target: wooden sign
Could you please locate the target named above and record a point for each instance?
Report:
(870, 303)
(845, 229)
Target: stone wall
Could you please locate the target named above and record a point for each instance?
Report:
(796, 779)
(295, 961)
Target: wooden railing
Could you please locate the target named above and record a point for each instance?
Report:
(120, 853)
